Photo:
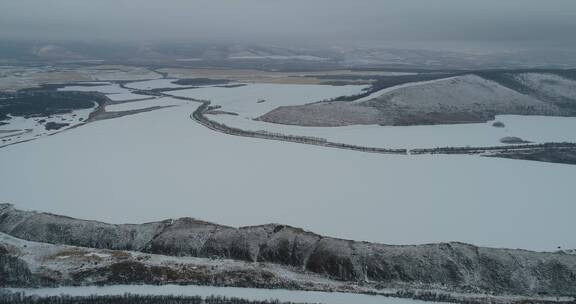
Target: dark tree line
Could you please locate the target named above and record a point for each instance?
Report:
(14, 272)
(19, 298)
(46, 103)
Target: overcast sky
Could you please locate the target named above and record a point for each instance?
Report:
(547, 22)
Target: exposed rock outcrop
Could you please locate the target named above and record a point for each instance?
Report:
(459, 266)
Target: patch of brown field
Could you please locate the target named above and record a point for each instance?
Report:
(12, 80)
(69, 252)
(120, 255)
(9, 249)
(258, 76)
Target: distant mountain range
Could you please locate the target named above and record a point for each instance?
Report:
(277, 57)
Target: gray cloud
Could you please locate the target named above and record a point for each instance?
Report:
(293, 21)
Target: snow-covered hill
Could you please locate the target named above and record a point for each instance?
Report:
(456, 266)
(462, 99)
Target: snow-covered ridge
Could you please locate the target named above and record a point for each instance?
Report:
(394, 88)
(471, 267)
(549, 85)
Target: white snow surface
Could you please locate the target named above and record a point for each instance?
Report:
(244, 100)
(154, 84)
(461, 92)
(254, 294)
(98, 255)
(143, 104)
(161, 164)
(537, 129)
(112, 91)
(401, 86)
(21, 129)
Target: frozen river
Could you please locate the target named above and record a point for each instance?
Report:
(162, 164)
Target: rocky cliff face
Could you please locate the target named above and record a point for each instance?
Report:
(458, 266)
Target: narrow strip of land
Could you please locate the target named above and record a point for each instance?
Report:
(199, 116)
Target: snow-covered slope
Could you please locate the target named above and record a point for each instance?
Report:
(457, 266)
(464, 93)
(461, 99)
(549, 85)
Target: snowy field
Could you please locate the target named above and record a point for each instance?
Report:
(161, 164)
(14, 77)
(401, 86)
(252, 294)
(244, 100)
(20, 129)
(112, 91)
(537, 129)
(137, 105)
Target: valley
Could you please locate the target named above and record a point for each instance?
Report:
(174, 147)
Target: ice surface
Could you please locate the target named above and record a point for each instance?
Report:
(401, 86)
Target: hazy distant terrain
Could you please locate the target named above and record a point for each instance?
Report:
(202, 55)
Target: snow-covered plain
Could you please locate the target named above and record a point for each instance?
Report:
(244, 100)
(252, 294)
(161, 164)
(143, 104)
(15, 77)
(20, 129)
(112, 91)
(401, 86)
